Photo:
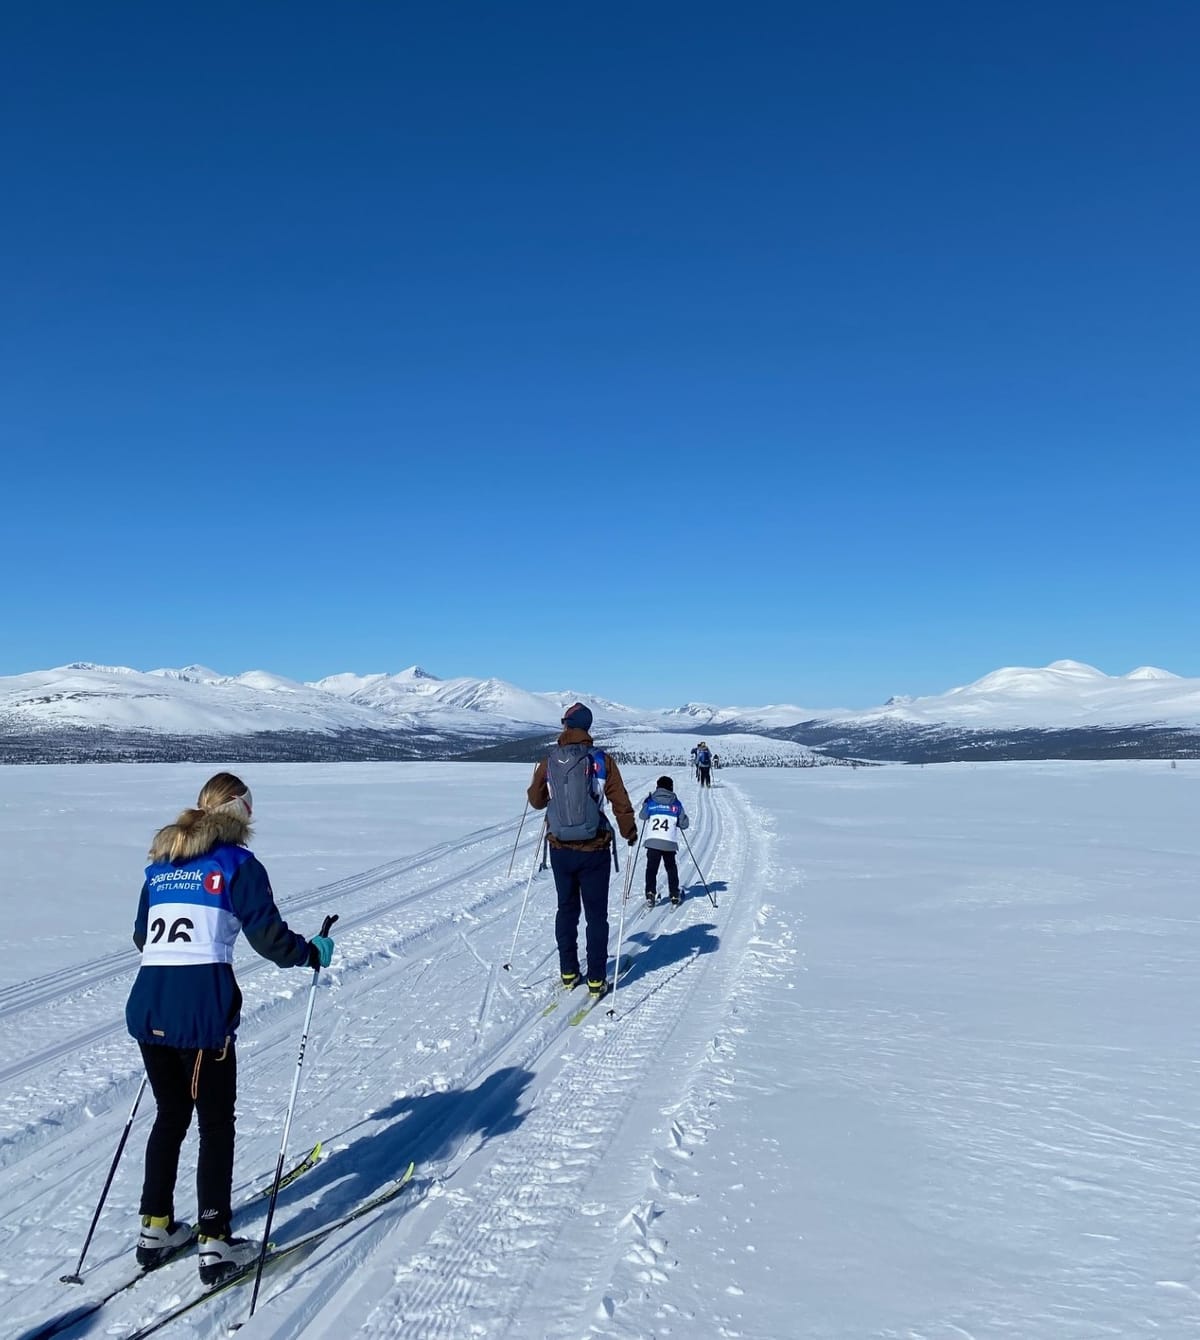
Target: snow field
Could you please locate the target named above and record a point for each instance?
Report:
(422, 1048)
(929, 1071)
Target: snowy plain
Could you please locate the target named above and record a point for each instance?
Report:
(929, 1069)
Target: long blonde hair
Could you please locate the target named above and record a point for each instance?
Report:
(175, 841)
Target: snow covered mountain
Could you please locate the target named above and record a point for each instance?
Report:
(85, 710)
(177, 702)
(196, 700)
(1062, 694)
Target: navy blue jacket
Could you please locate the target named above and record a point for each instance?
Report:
(199, 1004)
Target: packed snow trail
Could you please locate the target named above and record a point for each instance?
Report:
(421, 1049)
(565, 1146)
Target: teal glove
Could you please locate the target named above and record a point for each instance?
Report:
(320, 951)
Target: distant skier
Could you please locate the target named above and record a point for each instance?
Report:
(663, 813)
(203, 886)
(695, 765)
(704, 764)
(716, 761)
(572, 784)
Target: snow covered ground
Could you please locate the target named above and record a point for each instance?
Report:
(669, 751)
(928, 1070)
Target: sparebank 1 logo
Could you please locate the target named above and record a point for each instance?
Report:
(214, 883)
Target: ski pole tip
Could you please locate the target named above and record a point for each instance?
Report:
(70, 1279)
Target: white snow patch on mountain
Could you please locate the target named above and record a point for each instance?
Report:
(1060, 695)
(201, 674)
(121, 698)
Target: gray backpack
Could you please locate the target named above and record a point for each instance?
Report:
(575, 776)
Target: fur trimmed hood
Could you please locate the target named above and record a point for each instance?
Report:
(188, 841)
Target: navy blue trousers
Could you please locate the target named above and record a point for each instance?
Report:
(581, 878)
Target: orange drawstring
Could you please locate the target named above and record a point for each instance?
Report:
(220, 1056)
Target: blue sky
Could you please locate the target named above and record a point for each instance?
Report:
(754, 353)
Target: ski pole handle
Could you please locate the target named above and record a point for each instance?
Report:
(325, 925)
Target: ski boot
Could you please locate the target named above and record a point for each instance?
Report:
(222, 1257)
(160, 1238)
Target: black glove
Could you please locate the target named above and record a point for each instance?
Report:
(632, 840)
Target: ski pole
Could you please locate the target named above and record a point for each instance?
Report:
(696, 863)
(612, 1009)
(528, 883)
(517, 839)
(545, 851)
(287, 1121)
(76, 1278)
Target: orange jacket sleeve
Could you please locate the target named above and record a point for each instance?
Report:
(539, 791)
(618, 798)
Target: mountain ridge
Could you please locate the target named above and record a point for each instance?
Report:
(1008, 712)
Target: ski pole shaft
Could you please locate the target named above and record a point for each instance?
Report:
(76, 1278)
(528, 884)
(696, 863)
(612, 1009)
(287, 1122)
(517, 839)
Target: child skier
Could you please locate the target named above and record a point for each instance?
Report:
(663, 814)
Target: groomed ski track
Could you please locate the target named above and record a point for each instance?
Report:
(543, 1151)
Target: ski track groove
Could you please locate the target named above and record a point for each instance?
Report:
(63, 983)
(497, 1239)
(248, 970)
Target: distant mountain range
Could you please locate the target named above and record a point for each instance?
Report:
(86, 711)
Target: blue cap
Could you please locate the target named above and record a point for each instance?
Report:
(577, 717)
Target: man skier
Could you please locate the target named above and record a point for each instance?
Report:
(571, 784)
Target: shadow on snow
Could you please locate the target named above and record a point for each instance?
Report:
(660, 949)
(421, 1128)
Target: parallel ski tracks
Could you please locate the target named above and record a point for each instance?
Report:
(70, 981)
(526, 1197)
(57, 988)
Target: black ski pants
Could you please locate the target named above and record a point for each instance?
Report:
(705, 776)
(655, 857)
(184, 1079)
(581, 879)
